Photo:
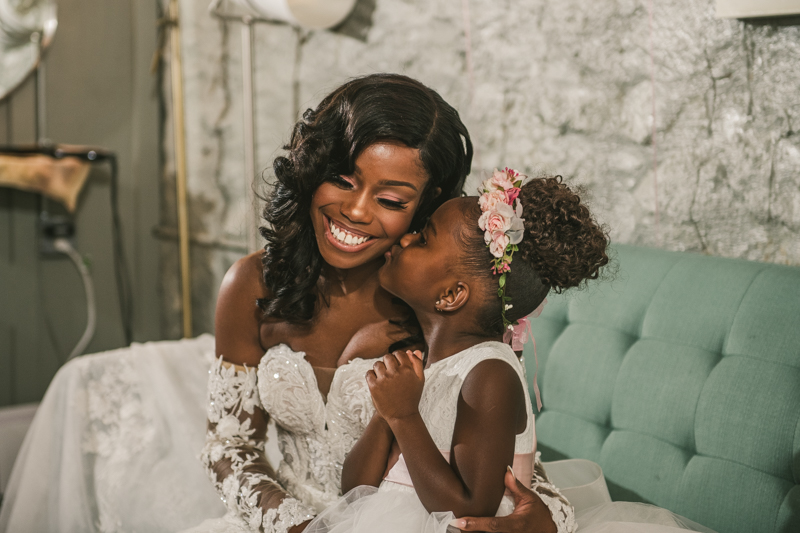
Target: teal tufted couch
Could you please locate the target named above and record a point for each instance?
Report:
(681, 378)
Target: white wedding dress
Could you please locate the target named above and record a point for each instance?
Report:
(119, 443)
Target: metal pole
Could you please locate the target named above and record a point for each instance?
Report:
(176, 72)
(249, 135)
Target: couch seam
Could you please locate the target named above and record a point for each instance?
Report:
(739, 308)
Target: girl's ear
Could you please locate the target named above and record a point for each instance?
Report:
(453, 298)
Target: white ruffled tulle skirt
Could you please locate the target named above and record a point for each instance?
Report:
(391, 509)
(582, 482)
(396, 508)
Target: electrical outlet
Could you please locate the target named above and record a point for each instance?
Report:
(52, 227)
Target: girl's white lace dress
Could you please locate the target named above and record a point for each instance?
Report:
(394, 507)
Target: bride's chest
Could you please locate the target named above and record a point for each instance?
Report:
(290, 393)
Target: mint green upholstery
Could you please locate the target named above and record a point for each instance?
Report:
(681, 378)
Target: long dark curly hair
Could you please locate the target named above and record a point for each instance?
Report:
(563, 247)
(326, 143)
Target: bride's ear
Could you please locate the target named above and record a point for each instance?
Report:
(453, 298)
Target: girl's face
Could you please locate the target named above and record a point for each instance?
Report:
(357, 218)
(417, 270)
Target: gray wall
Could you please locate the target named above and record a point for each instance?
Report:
(99, 91)
(562, 87)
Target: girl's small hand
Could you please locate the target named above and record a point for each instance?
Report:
(396, 384)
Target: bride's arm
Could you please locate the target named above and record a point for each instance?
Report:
(234, 451)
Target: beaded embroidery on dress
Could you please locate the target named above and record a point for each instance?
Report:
(313, 436)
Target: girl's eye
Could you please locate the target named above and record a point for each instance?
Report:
(339, 181)
(392, 204)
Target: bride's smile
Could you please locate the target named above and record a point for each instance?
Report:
(357, 217)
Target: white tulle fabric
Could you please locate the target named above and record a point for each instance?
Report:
(113, 446)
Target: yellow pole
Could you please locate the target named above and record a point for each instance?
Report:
(176, 72)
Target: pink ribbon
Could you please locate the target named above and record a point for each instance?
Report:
(518, 336)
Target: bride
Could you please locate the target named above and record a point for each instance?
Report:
(296, 325)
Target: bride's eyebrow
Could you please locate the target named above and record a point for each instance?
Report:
(395, 183)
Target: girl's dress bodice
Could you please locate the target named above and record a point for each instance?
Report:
(313, 435)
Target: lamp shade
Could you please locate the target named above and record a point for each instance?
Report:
(314, 14)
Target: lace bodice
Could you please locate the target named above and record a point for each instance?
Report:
(314, 436)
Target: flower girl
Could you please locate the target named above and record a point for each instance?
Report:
(446, 428)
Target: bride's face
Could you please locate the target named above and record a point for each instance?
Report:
(358, 217)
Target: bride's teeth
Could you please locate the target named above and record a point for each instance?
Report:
(346, 238)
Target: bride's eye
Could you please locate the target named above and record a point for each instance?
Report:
(340, 181)
(392, 204)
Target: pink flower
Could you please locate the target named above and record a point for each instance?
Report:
(512, 194)
(501, 269)
(498, 219)
(489, 200)
(498, 243)
(501, 179)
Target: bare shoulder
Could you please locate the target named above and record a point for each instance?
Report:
(493, 384)
(237, 317)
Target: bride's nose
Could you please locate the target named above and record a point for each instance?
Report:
(356, 208)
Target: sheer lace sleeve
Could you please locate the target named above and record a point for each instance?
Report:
(234, 455)
(560, 509)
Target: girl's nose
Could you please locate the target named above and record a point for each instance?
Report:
(407, 239)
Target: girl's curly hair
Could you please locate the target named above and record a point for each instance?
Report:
(326, 143)
(563, 247)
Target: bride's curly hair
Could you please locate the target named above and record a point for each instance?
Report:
(326, 143)
(563, 247)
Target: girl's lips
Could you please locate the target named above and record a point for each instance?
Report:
(390, 253)
(345, 247)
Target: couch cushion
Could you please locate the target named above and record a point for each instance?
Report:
(682, 379)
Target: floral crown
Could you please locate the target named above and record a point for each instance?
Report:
(502, 224)
(503, 227)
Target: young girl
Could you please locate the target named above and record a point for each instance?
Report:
(462, 418)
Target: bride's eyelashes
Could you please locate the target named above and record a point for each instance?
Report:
(346, 184)
(340, 181)
(392, 204)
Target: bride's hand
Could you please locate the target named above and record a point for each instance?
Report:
(530, 514)
(396, 384)
(299, 528)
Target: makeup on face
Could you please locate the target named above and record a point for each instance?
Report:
(358, 217)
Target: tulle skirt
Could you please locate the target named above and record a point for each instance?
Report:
(390, 509)
(396, 508)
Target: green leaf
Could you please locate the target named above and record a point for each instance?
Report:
(503, 280)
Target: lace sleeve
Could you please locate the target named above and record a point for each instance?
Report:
(560, 509)
(234, 456)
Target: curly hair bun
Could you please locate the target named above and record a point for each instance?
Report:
(563, 243)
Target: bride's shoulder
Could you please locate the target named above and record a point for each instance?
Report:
(237, 317)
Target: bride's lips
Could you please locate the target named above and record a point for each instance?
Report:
(349, 248)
